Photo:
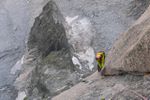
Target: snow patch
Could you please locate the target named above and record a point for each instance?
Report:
(22, 59)
(71, 19)
(21, 96)
(80, 36)
(17, 66)
(76, 62)
(87, 57)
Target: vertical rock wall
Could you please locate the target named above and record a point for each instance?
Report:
(131, 52)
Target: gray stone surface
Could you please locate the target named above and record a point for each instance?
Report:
(109, 87)
(16, 19)
(53, 70)
(48, 33)
(130, 53)
(137, 8)
(108, 18)
(98, 23)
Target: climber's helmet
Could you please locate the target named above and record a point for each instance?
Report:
(98, 56)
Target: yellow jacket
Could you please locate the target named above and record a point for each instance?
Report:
(101, 63)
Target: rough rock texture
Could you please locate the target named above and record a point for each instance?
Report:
(138, 7)
(95, 25)
(16, 19)
(48, 32)
(48, 68)
(131, 52)
(111, 88)
(52, 76)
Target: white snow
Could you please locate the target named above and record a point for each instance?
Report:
(22, 59)
(76, 62)
(21, 96)
(71, 19)
(88, 56)
(80, 36)
(17, 66)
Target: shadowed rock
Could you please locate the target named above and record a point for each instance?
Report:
(48, 33)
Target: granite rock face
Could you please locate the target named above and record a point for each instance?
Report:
(16, 19)
(48, 69)
(131, 52)
(48, 32)
(138, 7)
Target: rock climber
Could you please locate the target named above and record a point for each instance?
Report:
(100, 58)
